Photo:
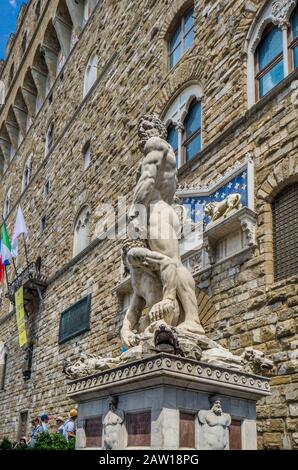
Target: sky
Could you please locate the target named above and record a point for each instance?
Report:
(8, 15)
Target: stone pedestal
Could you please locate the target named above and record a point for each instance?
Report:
(154, 403)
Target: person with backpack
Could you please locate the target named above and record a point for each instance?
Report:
(36, 429)
(69, 429)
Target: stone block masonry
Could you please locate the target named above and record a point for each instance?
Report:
(133, 78)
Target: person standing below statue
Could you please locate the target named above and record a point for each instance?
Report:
(156, 249)
(69, 428)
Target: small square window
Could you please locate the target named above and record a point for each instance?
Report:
(87, 156)
(42, 224)
(47, 189)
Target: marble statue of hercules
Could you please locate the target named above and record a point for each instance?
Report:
(159, 255)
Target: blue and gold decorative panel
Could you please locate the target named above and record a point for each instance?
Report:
(196, 204)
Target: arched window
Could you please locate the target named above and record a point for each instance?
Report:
(49, 138)
(181, 37)
(272, 44)
(285, 232)
(90, 73)
(173, 139)
(81, 231)
(294, 43)
(7, 203)
(26, 173)
(269, 60)
(192, 131)
(184, 123)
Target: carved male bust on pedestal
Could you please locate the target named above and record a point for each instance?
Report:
(113, 427)
(215, 427)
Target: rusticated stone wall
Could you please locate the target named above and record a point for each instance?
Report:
(130, 40)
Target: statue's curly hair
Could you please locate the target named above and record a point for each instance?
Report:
(151, 126)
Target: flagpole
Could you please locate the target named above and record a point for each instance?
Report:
(13, 261)
(26, 252)
(6, 277)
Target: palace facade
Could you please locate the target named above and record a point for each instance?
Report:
(78, 75)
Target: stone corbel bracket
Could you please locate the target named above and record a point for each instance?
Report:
(243, 218)
(248, 222)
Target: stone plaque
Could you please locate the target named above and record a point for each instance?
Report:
(93, 430)
(235, 435)
(138, 427)
(187, 430)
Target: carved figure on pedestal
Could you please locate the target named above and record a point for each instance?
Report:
(113, 427)
(163, 314)
(160, 281)
(215, 427)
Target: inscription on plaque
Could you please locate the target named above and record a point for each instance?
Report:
(187, 430)
(138, 427)
(93, 431)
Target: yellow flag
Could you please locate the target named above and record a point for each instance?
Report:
(20, 312)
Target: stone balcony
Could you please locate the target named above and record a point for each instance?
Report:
(33, 280)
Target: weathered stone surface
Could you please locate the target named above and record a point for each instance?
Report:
(287, 328)
(134, 81)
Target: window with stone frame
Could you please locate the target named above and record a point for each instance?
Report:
(49, 138)
(183, 120)
(87, 11)
(7, 203)
(172, 138)
(285, 232)
(3, 364)
(23, 424)
(38, 9)
(2, 163)
(87, 155)
(191, 137)
(90, 73)
(81, 231)
(43, 224)
(2, 92)
(272, 47)
(269, 60)
(181, 37)
(11, 74)
(294, 38)
(26, 173)
(24, 42)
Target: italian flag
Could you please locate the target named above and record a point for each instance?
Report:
(1, 267)
(5, 247)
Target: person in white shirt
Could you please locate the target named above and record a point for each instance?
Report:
(44, 422)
